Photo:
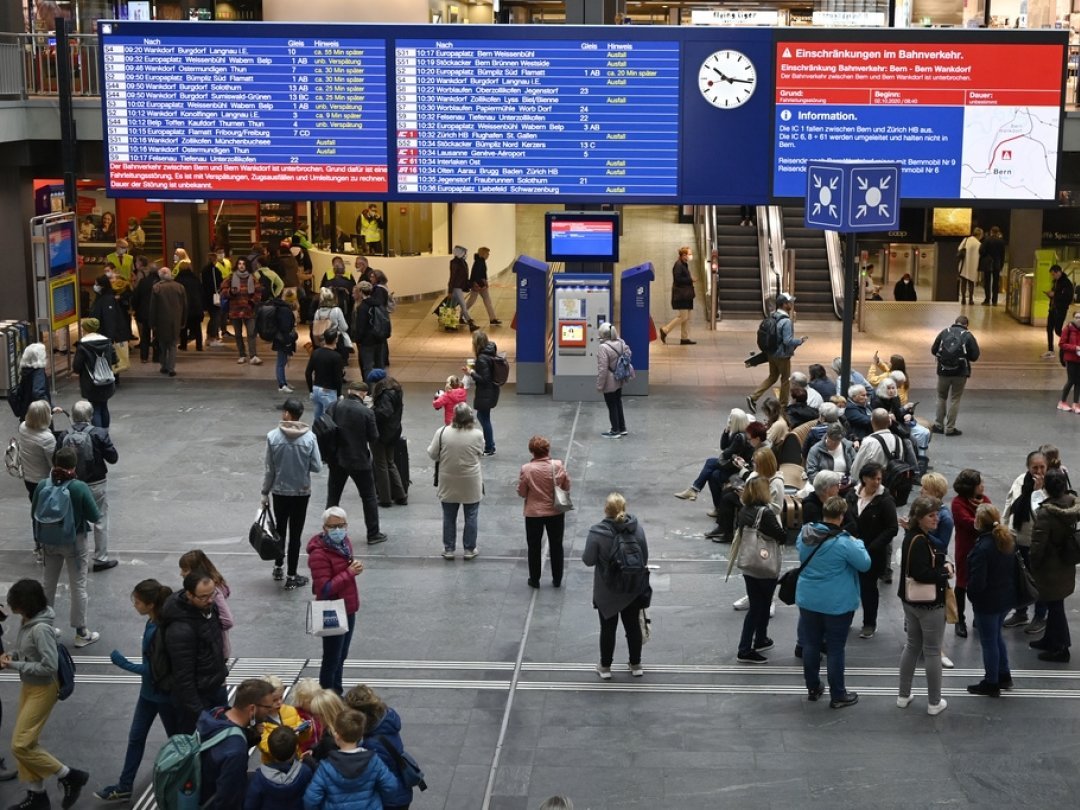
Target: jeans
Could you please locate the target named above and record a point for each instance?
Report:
(1040, 607)
(756, 622)
(145, 712)
(1072, 382)
(994, 653)
(925, 631)
(950, 389)
(323, 399)
(868, 590)
(613, 400)
(239, 324)
(335, 649)
(387, 478)
(483, 416)
(631, 627)
(101, 528)
(457, 298)
(290, 512)
(279, 368)
(101, 416)
(534, 535)
(779, 371)
(77, 559)
(1057, 626)
(146, 342)
(449, 525)
(365, 487)
(833, 630)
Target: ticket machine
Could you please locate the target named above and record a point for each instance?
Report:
(581, 302)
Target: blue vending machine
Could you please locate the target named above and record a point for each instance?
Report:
(532, 324)
(634, 292)
(580, 303)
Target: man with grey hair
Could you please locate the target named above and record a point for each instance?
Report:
(828, 413)
(168, 314)
(881, 445)
(800, 380)
(94, 449)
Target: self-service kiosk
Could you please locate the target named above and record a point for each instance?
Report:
(581, 302)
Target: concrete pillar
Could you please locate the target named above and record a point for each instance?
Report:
(590, 12)
(1024, 236)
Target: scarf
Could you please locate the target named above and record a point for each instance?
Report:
(238, 279)
(344, 548)
(60, 475)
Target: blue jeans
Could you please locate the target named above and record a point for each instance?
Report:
(323, 399)
(756, 623)
(145, 712)
(101, 416)
(483, 416)
(994, 653)
(834, 631)
(282, 361)
(335, 649)
(449, 525)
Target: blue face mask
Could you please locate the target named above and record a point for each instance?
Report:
(337, 535)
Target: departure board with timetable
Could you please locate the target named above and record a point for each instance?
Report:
(540, 117)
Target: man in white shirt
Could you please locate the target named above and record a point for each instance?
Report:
(871, 448)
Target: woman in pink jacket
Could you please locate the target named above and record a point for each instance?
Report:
(536, 484)
(333, 576)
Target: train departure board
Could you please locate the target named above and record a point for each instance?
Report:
(541, 117)
(203, 114)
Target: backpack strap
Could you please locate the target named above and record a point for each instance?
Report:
(391, 749)
(221, 736)
(894, 455)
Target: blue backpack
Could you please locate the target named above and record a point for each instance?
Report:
(54, 515)
(65, 672)
(624, 369)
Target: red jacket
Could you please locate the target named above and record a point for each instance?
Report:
(328, 568)
(963, 512)
(1070, 342)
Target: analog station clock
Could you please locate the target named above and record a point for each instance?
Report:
(727, 79)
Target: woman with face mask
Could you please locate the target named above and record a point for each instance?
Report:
(333, 576)
(1070, 345)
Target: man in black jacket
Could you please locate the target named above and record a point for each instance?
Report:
(356, 432)
(195, 648)
(140, 303)
(1061, 298)
(955, 349)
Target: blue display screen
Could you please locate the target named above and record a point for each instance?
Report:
(582, 237)
(60, 239)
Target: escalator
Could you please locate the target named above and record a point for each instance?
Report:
(738, 283)
(814, 273)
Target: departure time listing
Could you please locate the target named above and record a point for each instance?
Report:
(537, 118)
(221, 114)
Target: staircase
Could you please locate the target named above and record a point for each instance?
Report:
(153, 228)
(813, 287)
(738, 286)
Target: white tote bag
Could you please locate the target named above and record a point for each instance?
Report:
(327, 618)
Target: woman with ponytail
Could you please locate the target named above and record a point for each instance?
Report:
(148, 598)
(991, 587)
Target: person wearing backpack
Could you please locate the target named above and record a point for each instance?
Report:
(618, 553)
(382, 734)
(955, 349)
(36, 659)
(94, 449)
(168, 317)
(62, 507)
(284, 338)
(388, 403)
(93, 354)
(224, 766)
(372, 328)
(37, 445)
(487, 390)
(611, 375)
(780, 344)
(148, 597)
(352, 777)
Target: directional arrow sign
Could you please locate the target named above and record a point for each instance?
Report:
(825, 190)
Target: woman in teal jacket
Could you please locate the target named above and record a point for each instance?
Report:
(148, 598)
(827, 595)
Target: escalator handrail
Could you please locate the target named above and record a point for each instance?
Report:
(770, 252)
(836, 271)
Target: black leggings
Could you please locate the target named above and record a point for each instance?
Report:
(1072, 381)
(961, 604)
(290, 512)
(534, 536)
(608, 628)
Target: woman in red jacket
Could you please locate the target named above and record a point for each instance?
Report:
(333, 576)
(969, 497)
(1070, 346)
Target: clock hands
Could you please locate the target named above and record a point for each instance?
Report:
(730, 80)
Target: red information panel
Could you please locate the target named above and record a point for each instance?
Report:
(265, 177)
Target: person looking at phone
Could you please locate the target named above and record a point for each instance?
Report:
(281, 715)
(333, 576)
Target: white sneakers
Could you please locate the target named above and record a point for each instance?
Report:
(285, 389)
(603, 672)
(743, 603)
(84, 639)
(903, 702)
(946, 661)
(240, 361)
(255, 361)
(935, 709)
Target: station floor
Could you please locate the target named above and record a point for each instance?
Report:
(494, 680)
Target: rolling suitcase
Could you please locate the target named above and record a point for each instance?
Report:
(401, 461)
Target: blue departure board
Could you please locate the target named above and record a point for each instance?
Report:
(192, 112)
(537, 117)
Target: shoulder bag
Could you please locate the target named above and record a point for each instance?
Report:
(1026, 592)
(789, 582)
(915, 592)
(758, 555)
(263, 537)
(561, 497)
(438, 458)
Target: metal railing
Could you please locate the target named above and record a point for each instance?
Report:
(28, 65)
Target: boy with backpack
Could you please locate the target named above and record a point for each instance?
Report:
(352, 776)
(955, 349)
(280, 783)
(776, 338)
(94, 449)
(62, 506)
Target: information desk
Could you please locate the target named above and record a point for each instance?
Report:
(408, 275)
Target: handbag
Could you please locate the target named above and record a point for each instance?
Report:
(758, 556)
(915, 592)
(123, 357)
(789, 581)
(561, 496)
(327, 618)
(1026, 592)
(645, 623)
(437, 457)
(263, 537)
(952, 613)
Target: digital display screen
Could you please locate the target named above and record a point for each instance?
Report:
(191, 114)
(537, 117)
(571, 334)
(63, 294)
(579, 237)
(965, 120)
(60, 240)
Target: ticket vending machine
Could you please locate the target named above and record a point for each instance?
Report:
(580, 303)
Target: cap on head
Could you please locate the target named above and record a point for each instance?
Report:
(375, 375)
(293, 407)
(784, 298)
(460, 252)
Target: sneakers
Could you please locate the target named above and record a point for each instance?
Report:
(1064, 406)
(867, 631)
(624, 433)
(934, 709)
(713, 513)
(35, 800)
(72, 784)
(1047, 355)
(375, 539)
(490, 452)
(946, 661)
(241, 360)
(1076, 407)
(285, 389)
(1037, 626)
(636, 670)
(255, 360)
(751, 404)
(1018, 618)
(113, 793)
(663, 335)
(609, 434)
(84, 639)
(295, 581)
(845, 700)
(215, 344)
(751, 657)
(903, 702)
(688, 494)
(742, 603)
(764, 645)
(813, 694)
(448, 554)
(984, 688)
(104, 565)
(471, 553)
(603, 672)
(279, 573)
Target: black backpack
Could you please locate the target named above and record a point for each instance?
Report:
(19, 396)
(626, 571)
(500, 369)
(898, 476)
(266, 324)
(952, 351)
(379, 323)
(768, 335)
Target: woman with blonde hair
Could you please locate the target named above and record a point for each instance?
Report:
(992, 591)
(326, 707)
(618, 592)
(37, 443)
(301, 696)
(537, 481)
(382, 732)
(756, 513)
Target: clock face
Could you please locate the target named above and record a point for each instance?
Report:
(727, 79)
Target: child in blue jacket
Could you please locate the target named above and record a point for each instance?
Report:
(279, 784)
(351, 778)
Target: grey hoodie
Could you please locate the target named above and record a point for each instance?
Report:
(292, 455)
(35, 656)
